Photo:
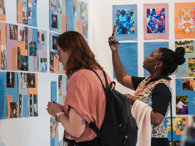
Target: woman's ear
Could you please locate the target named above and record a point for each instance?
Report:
(159, 64)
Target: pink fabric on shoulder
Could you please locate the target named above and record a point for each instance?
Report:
(86, 95)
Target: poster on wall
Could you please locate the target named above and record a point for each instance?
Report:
(179, 125)
(26, 49)
(185, 96)
(129, 58)
(62, 81)
(54, 134)
(55, 64)
(27, 12)
(3, 64)
(149, 47)
(156, 21)
(125, 16)
(184, 20)
(57, 15)
(19, 95)
(80, 15)
(2, 10)
(188, 68)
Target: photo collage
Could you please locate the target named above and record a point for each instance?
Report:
(27, 12)
(19, 95)
(26, 49)
(57, 14)
(80, 15)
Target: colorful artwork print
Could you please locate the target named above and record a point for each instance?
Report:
(125, 21)
(179, 124)
(156, 20)
(191, 69)
(187, 44)
(186, 20)
(182, 105)
(188, 84)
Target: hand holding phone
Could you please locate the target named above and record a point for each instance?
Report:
(115, 31)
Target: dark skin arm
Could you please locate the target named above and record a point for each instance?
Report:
(121, 75)
(156, 118)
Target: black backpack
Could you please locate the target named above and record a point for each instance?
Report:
(119, 127)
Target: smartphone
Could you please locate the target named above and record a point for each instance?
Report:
(115, 31)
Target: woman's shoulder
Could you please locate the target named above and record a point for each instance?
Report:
(84, 74)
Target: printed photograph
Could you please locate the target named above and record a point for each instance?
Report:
(13, 110)
(74, 8)
(23, 80)
(21, 33)
(125, 21)
(0, 34)
(54, 42)
(31, 80)
(156, 20)
(191, 65)
(33, 48)
(180, 124)
(188, 84)
(169, 124)
(35, 1)
(84, 29)
(10, 79)
(29, 15)
(3, 57)
(30, 105)
(24, 12)
(20, 105)
(182, 105)
(24, 63)
(43, 64)
(53, 127)
(187, 44)
(84, 11)
(13, 30)
(18, 58)
(60, 85)
(53, 3)
(2, 7)
(51, 62)
(60, 7)
(26, 37)
(54, 21)
(35, 105)
(41, 37)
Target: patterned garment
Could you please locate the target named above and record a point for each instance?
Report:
(144, 93)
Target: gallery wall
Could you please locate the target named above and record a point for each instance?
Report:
(33, 131)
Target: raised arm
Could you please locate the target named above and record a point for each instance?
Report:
(119, 70)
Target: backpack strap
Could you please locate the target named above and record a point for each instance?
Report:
(92, 124)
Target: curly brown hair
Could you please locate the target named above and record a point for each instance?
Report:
(81, 55)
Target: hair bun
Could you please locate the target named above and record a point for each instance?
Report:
(179, 55)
